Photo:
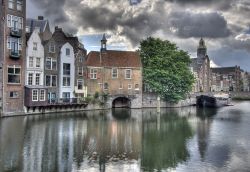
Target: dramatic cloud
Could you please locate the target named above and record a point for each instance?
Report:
(189, 24)
(223, 23)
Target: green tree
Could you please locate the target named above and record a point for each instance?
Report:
(166, 69)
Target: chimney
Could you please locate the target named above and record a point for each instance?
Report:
(58, 28)
(40, 18)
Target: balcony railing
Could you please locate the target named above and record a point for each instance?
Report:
(16, 32)
(14, 54)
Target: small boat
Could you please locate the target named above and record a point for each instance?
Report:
(217, 100)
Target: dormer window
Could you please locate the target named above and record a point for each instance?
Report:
(67, 52)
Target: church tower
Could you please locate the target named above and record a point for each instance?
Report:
(103, 43)
(201, 51)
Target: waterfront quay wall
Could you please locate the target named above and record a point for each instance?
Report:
(149, 100)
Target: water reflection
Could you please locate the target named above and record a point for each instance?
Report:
(164, 147)
(127, 140)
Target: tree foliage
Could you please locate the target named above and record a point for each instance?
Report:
(166, 69)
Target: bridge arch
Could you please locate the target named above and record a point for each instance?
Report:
(121, 102)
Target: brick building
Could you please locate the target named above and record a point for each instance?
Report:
(12, 59)
(62, 53)
(117, 73)
(228, 78)
(200, 67)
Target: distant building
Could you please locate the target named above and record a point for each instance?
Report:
(62, 53)
(116, 73)
(12, 56)
(40, 24)
(227, 78)
(245, 81)
(35, 91)
(200, 67)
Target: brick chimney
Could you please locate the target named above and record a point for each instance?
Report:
(40, 18)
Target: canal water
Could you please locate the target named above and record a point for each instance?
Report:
(185, 139)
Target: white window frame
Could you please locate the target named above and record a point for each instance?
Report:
(11, 20)
(38, 62)
(130, 70)
(67, 51)
(34, 46)
(79, 81)
(68, 81)
(42, 95)
(30, 79)
(37, 79)
(51, 79)
(80, 71)
(14, 67)
(93, 73)
(35, 100)
(31, 62)
(11, 4)
(114, 76)
(18, 43)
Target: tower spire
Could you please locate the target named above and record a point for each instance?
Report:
(104, 43)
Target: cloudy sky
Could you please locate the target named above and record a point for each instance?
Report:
(224, 24)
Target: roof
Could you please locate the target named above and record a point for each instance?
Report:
(223, 69)
(111, 58)
(35, 23)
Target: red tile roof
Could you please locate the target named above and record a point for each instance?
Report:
(111, 58)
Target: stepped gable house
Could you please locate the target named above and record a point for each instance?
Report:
(117, 73)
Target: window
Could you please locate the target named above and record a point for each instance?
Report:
(66, 81)
(38, 62)
(13, 94)
(35, 46)
(14, 22)
(93, 73)
(81, 59)
(50, 64)
(53, 64)
(54, 81)
(31, 61)
(106, 86)
(80, 71)
(11, 4)
(34, 95)
(79, 84)
(121, 86)
(38, 79)
(129, 86)
(42, 95)
(51, 48)
(136, 86)
(66, 96)
(30, 79)
(14, 74)
(15, 44)
(66, 69)
(100, 85)
(19, 5)
(128, 74)
(50, 80)
(114, 73)
(67, 52)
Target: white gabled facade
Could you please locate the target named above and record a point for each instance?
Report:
(34, 75)
(67, 72)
